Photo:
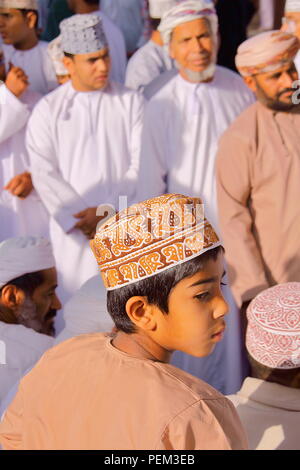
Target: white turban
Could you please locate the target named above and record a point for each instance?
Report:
(266, 52)
(157, 8)
(185, 11)
(20, 4)
(23, 255)
(292, 6)
(56, 54)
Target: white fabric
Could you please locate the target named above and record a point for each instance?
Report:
(82, 34)
(126, 14)
(117, 48)
(56, 54)
(27, 216)
(22, 255)
(20, 4)
(22, 348)
(266, 13)
(86, 311)
(158, 7)
(270, 414)
(182, 126)
(292, 5)
(97, 162)
(37, 65)
(186, 11)
(146, 64)
(297, 62)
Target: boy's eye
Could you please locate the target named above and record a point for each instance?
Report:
(203, 296)
(223, 284)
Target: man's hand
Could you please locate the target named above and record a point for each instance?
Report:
(16, 80)
(20, 186)
(88, 221)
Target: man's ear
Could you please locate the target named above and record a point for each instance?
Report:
(251, 83)
(141, 312)
(69, 64)
(31, 19)
(12, 297)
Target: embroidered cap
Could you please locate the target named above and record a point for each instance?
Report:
(20, 4)
(82, 34)
(150, 237)
(273, 331)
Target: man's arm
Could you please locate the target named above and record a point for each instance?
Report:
(152, 178)
(13, 113)
(60, 198)
(245, 266)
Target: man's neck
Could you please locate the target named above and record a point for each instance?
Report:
(156, 38)
(141, 346)
(7, 316)
(29, 43)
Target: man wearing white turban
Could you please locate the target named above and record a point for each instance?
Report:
(28, 305)
(269, 401)
(152, 59)
(84, 143)
(182, 125)
(258, 171)
(22, 48)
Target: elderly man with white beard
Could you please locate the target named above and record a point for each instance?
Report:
(28, 305)
(183, 123)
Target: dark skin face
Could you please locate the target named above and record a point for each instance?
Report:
(17, 29)
(38, 311)
(194, 324)
(275, 89)
(89, 72)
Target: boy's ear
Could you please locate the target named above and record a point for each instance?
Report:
(140, 313)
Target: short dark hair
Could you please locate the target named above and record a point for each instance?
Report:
(24, 13)
(156, 288)
(92, 2)
(28, 282)
(67, 54)
(154, 22)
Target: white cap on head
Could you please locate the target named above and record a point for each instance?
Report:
(56, 54)
(185, 11)
(157, 8)
(23, 255)
(292, 6)
(20, 4)
(82, 34)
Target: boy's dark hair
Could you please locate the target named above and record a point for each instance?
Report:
(28, 282)
(24, 13)
(92, 2)
(156, 288)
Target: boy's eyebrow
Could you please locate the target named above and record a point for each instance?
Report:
(206, 281)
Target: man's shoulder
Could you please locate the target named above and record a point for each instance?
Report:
(118, 90)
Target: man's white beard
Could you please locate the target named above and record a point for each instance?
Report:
(202, 76)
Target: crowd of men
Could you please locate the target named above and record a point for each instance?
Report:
(111, 105)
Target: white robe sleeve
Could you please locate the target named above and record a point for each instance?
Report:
(60, 198)
(153, 168)
(130, 180)
(13, 114)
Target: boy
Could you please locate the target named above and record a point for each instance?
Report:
(162, 264)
